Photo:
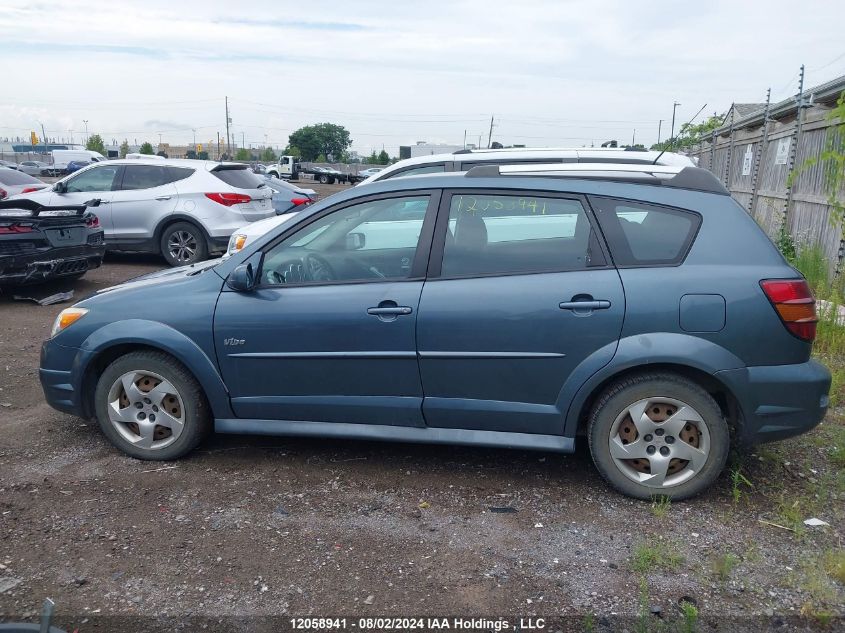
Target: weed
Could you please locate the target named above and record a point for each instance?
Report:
(642, 619)
(723, 565)
(690, 613)
(737, 479)
(647, 558)
(660, 506)
(589, 623)
(833, 563)
(791, 515)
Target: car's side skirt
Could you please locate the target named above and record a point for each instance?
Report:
(385, 433)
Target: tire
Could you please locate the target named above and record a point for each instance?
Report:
(324, 180)
(178, 397)
(645, 459)
(183, 243)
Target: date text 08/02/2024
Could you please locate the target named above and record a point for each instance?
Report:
(422, 624)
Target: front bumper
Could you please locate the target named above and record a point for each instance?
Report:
(58, 378)
(778, 401)
(33, 268)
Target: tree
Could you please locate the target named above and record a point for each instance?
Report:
(95, 144)
(373, 159)
(690, 134)
(146, 148)
(124, 148)
(383, 158)
(242, 154)
(323, 138)
(292, 150)
(268, 155)
(321, 159)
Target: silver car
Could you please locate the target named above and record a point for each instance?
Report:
(13, 182)
(34, 167)
(185, 210)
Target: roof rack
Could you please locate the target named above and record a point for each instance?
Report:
(694, 178)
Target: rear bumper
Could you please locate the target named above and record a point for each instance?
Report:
(53, 264)
(779, 401)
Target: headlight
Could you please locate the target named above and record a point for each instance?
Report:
(236, 243)
(66, 318)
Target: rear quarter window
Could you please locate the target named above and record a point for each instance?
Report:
(641, 234)
(239, 178)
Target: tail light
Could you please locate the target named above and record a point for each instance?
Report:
(15, 229)
(793, 300)
(93, 222)
(31, 189)
(3, 193)
(298, 201)
(228, 199)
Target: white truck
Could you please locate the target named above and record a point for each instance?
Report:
(287, 168)
(61, 157)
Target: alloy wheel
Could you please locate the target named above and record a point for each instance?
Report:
(182, 246)
(659, 442)
(146, 410)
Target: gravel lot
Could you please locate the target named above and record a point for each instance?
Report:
(252, 526)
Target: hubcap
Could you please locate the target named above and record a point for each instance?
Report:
(182, 246)
(659, 442)
(146, 409)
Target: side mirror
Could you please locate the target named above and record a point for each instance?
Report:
(60, 187)
(355, 241)
(242, 278)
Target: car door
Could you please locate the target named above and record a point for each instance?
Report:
(146, 194)
(89, 184)
(329, 334)
(520, 292)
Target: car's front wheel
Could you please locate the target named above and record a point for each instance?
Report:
(658, 434)
(183, 243)
(151, 407)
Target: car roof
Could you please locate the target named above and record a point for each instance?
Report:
(208, 165)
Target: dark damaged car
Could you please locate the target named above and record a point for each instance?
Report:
(39, 243)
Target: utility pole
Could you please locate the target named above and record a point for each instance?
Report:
(243, 141)
(228, 121)
(85, 121)
(672, 135)
(659, 128)
(634, 138)
(44, 136)
(159, 141)
(465, 139)
(195, 138)
(490, 134)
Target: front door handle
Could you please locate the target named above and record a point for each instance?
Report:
(600, 304)
(162, 197)
(389, 311)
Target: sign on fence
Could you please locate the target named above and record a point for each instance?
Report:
(782, 156)
(747, 160)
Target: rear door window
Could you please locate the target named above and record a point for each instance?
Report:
(416, 171)
(641, 234)
(144, 177)
(493, 234)
(239, 178)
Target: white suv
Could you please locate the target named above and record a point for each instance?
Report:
(466, 159)
(183, 209)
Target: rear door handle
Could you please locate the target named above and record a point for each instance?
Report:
(600, 304)
(162, 197)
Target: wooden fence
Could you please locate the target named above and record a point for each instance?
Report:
(754, 164)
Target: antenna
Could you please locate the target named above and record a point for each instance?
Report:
(672, 140)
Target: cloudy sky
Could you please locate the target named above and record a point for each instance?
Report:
(553, 73)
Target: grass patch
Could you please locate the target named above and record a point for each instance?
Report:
(723, 565)
(820, 576)
(650, 557)
(690, 614)
(833, 563)
(660, 506)
(737, 481)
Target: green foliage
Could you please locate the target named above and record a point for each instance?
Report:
(785, 244)
(660, 506)
(383, 158)
(243, 154)
(292, 150)
(95, 144)
(589, 623)
(327, 139)
(690, 134)
(737, 480)
(268, 155)
(321, 159)
(146, 148)
(690, 614)
(660, 555)
(832, 160)
(723, 565)
(124, 148)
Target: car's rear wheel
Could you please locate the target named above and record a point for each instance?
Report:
(324, 180)
(183, 243)
(151, 407)
(657, 435)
